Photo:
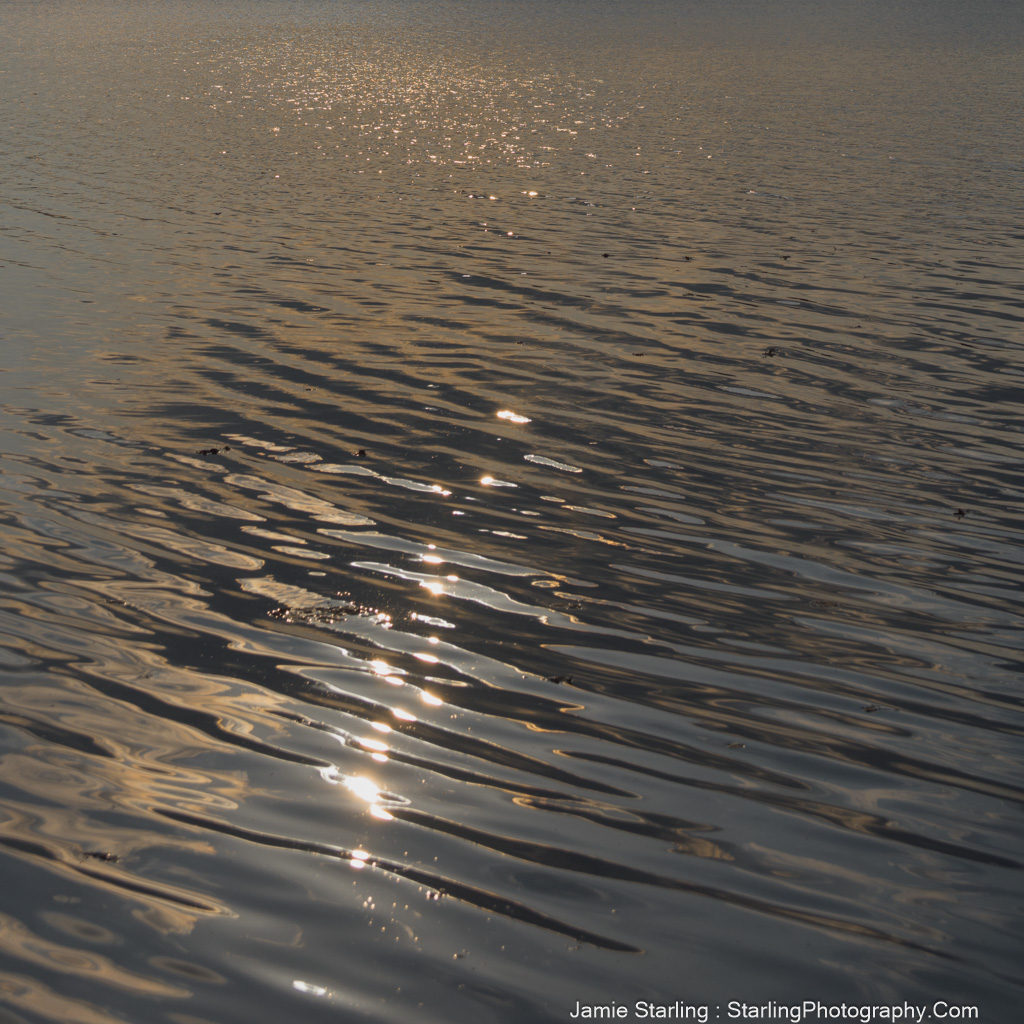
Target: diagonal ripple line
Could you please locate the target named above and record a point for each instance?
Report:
(446, 886)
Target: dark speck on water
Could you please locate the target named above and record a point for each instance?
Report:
(268, 692)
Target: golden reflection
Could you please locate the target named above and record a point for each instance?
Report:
(35, 997)
(17, 941)
(197, 503)
(203, 551)
(297, 501)
(167, 908)
(298, 552)
(257, 531)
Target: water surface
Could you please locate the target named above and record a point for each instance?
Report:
(509, 504)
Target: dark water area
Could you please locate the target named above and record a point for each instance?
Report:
(509, 505)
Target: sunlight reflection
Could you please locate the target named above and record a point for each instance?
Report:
(431, 620)
(512, 417)
(312, 990)
(366, 789)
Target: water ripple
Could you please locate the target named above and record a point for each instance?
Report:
(497, 511)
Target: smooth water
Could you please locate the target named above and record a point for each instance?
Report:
(509, 504)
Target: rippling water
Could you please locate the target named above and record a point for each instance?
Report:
(509, 504)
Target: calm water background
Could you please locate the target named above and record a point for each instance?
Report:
(509, 503)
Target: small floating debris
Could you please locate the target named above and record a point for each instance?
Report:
(771, 351)
(872, 707)
(960, 513)
(361, 454)
(737, 746)
(108, 858)
(559, 679)
(213, 451)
